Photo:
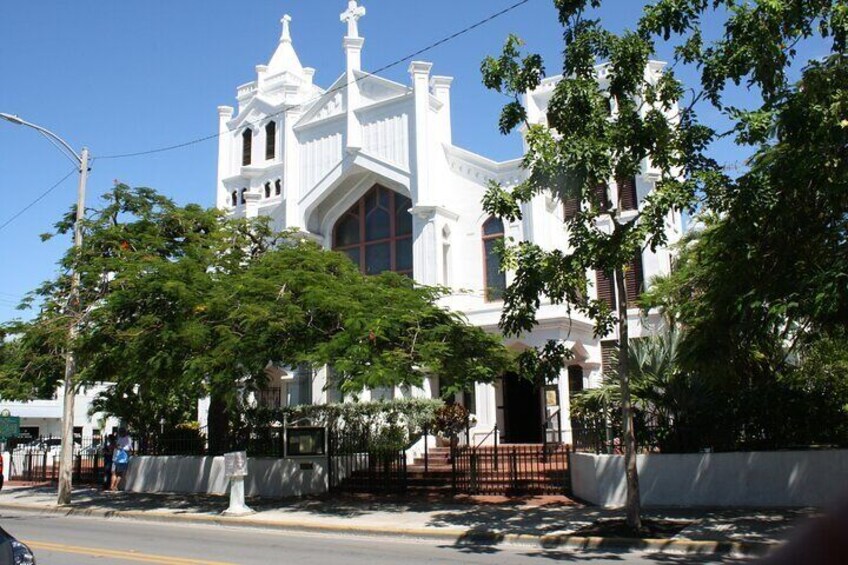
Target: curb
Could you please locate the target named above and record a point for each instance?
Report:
(455, 536)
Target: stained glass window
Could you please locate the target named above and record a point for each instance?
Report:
(376, 232)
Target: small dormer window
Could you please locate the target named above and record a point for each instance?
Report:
(243, 199)
(278, 187)
(246, 147)
(235, 198)
(267, 190)
(270, 141)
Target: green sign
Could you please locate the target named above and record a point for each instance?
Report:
(10, 426)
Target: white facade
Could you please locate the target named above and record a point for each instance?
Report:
(44, 417)
(332, 146)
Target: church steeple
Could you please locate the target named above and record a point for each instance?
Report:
(285, 58)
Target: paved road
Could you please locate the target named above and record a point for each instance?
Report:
(77, 540)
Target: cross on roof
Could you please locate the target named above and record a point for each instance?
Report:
(286, 33)
(351, 16)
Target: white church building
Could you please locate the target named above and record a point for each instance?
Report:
(368, 167)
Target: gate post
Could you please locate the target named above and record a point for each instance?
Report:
(453, 455)
(473, 471)
(426, 453)
(330, 473)
(513, 469)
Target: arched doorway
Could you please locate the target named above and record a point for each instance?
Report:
(376, 232)
(522, 403)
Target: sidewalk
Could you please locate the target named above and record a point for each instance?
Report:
(542, 521)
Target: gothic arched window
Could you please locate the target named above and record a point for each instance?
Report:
(494, 279)
(246, 146)
(243, 199)
(235, 198)
(270, 141)
(278, 187)
(267, 190)
(376, 232)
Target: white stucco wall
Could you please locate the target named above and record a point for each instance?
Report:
(267, 477)
(742, 479)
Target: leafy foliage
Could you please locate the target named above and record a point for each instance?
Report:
(184, 302)
(594, 133)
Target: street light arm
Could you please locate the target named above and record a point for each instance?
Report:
(44, 131)
(62, 149)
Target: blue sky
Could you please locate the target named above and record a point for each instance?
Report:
(139, 74)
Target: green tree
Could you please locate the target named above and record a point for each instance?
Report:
(596, 134)
(581, 148)
(187, 303)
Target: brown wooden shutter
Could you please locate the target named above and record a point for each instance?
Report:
(246, 147)
(575, 379)
(602, 196)
(627, 194)
(609, 351)
(634, 279)
(606, 288)
(570, 208)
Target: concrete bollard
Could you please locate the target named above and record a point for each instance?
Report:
(235, 468)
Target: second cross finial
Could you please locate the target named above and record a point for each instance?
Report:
(351, 16)
(286, 33)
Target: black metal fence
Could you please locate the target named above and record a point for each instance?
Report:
(511, 469)
(368, 460)
(649, 439)
(36, 460)
(271, 441)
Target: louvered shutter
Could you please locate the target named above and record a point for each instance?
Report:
(608, 357)
(570, 208)
(627, 194)
(606, 288)
(602, 196)
(634, 279)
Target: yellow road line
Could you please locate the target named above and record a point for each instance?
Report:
(125, 555)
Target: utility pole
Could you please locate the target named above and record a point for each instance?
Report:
(66, 456)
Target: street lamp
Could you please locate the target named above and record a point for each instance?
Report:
(67, 451)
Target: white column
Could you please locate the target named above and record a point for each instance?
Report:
(442, 90)
(251, 204)
(291, 169)
(565, 405)
(486, 406)
(420, 72)
(353, 50)
(261, 72)
(425, 250)
(225, 114)
(353, 54)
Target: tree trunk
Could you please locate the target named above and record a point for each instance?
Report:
(633, 504)
(218, 424)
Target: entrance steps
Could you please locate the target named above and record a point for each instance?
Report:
(507, 469)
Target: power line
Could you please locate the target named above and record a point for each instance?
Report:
(37, 200)
(430, 47)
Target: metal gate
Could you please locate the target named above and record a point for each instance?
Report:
(36, 461)
(512, 469)
(362, 460)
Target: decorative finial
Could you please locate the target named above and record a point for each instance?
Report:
(351, 16)
(286, 34)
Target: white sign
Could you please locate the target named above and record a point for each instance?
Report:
(235, 464)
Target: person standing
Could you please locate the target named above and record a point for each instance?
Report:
(108, 455)
(121, 458)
